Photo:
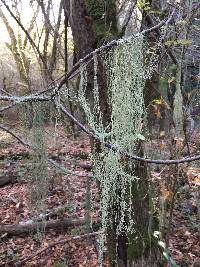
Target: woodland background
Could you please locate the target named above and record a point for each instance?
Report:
(46, 222)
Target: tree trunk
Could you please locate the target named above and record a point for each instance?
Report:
(67, 69)
(136, 248)
(81, 27)
(142, 250)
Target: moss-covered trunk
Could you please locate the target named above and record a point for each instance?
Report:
(138, 248)
(142, 250)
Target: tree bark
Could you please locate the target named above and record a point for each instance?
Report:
(134, 248)
(83, 35)
(142, 250)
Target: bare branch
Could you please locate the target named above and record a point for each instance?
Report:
(127, 18)
(120, 150)
(19, 99)
(28, 36)
(110, 145)
(14, 135)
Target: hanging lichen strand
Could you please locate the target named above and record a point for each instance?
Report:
(39, 181)
(125, 74)
(125, 85)
(178, 104)
(91, 110)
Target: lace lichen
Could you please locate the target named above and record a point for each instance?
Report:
(92, 111)
(125, 74)
(126, 83)
(39, 181)
(178, 104)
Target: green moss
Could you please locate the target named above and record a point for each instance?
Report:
(100, 31)
(103, 16)
(95, 8)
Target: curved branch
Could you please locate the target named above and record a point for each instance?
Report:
(14, 135)
(75, 70)
(110, 145)
(113, 43)
(121, 151)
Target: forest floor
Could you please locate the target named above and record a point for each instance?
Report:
(67, 198)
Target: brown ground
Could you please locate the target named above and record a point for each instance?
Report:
(70, 191)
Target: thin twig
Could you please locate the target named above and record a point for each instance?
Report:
(66, 171)
(14, 135)
(7, 107)
(29, 98)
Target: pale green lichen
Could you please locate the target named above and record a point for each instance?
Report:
(125, 85)
(92, 111)
(39, 181)
(178, 104)
(125, 74)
